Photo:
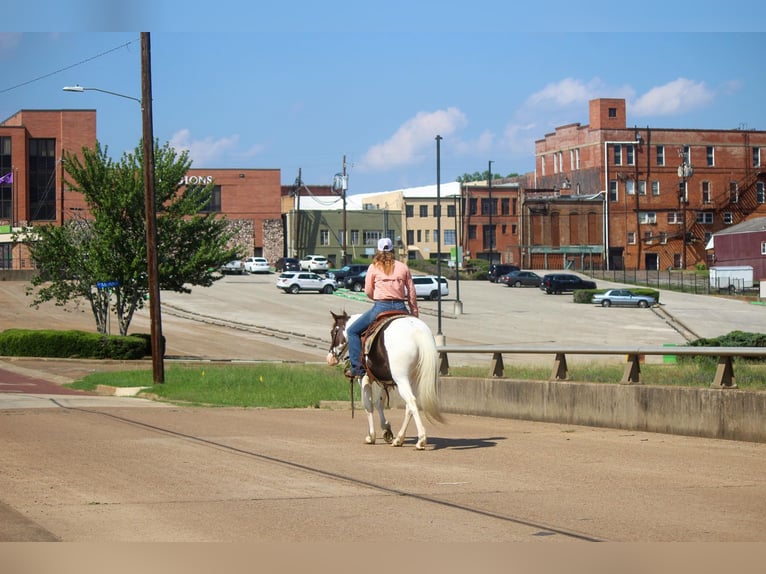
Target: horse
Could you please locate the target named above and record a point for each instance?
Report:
(409, 361)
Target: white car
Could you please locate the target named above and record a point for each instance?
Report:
(297, 281)
(314, 263)
(235, 267)
(427, 286)
(257, 265)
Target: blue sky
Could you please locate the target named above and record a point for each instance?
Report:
(302, 84)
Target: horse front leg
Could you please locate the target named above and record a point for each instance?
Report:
(385, 426)
(367, 399)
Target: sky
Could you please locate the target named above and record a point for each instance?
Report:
(302, 85)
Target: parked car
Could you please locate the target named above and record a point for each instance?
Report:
(297, 281)
(313, 263)
(287, 264)
(521, 279)
(428, 286)
(496, 270)
(355, 282)
(235, 267)
(340, 274)
(623, 297)
(565, 282)
(257, 265)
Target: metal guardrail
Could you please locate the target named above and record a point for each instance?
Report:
(724, 375)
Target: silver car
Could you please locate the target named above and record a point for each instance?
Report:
(624, 298)
(297, 281)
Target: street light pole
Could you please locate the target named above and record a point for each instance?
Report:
(491, 229)
(439, 335)
(158, 367)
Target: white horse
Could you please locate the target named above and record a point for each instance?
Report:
(410, 363)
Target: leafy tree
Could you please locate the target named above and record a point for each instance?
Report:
(109, 243)
(483, 176)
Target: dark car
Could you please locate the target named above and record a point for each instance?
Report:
(287, 264)
(565, 282)
(496, 270)
(339, 275)
(355, 282)
(521, 279)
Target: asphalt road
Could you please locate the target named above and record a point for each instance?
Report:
(104, 469)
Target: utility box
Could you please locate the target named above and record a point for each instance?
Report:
(735, 278)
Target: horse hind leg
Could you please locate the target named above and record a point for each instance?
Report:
(367, 399)
(410, 412)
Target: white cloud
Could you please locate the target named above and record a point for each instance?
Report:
(210, 151)
(675, 97)
(566, 92)
(415, 135)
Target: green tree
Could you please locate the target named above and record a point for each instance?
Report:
(483, 176)
(109, 242)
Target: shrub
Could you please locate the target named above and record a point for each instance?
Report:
(70, 344)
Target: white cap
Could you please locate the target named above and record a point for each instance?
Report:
(385, 244)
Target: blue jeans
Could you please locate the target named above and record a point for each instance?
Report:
(354, 332)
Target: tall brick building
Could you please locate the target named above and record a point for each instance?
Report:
(663, 192)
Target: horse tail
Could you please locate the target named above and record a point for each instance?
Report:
(428, 374)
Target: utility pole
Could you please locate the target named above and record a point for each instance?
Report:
(491, 229)
(158, 367)
(344, 250)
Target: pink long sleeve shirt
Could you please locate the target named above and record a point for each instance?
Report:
(398, 286)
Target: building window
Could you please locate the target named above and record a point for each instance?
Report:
(760, 192)
(660, 155)
(687, 155)
(427, 233)
(763, 247)
(489, 237)
(372, 237)
(436, 236)
(613, 195)
(324, 237)
(675, 217)
(423, 211)
(473, 206)
(471, 232)
(513, 229)
(630, 187)
(420, 235)
(647, 236)
(617, 155)
(451, 211)
(647, 217)
(555, 163)
(488, 207)
(655, 187)
(631, 237)
(449, 237)
(733, 192)
(663, 237)
(505, 206)
(705, 217)
(354, 237)
(6, 189)
(630, 154)
(641, 187)
(756, 157)
(437, 210)
(612, 112)
(410, 237)
(409, 210)
(542, 164)
(728, 217)
(710, 155)
(214, 206)
(706, 192)
(42, 178)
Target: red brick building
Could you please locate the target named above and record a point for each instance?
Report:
(33, 192)
(664, 191)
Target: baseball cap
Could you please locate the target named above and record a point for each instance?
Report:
(385, 244)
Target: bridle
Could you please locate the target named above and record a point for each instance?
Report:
(338, 342)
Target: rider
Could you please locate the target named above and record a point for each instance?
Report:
(388, 282)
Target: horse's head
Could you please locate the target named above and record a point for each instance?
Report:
(338, 343)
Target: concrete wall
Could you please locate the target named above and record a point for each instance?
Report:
(713, 413)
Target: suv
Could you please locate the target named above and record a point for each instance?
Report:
(561, 282)
(347, 271)
(287, 264)
(495, 271)
(297, 281)
(427, 286)
(313, 263)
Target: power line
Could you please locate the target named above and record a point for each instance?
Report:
(80, 63)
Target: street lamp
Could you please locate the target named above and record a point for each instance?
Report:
(158, 367)
(685, 171)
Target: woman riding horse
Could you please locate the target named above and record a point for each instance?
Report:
(388, 283)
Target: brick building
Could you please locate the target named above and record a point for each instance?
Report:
(664, 191)
(33, 191)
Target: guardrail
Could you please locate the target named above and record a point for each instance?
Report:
(724, 374)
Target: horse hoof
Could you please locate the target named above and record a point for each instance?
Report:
(369, 439)
(388, 436)
(420, 445)
(397, 442)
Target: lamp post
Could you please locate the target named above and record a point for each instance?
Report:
(158, 368)
(491, 229)
(685, 171)
(439, 335)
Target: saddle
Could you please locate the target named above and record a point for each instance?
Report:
(374, 356)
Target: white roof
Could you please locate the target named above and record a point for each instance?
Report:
(357, 202)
